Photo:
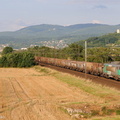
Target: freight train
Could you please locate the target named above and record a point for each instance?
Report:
(108, 70)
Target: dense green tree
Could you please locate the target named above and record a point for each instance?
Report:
(101, 54)
(44, 51)
(19, 59)
(74, 51)
(27, 59)
(3, 61)
(7, 50)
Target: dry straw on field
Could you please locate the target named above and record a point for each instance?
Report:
(95, 99)
(43, 94)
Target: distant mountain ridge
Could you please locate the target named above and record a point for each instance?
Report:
(46, 33)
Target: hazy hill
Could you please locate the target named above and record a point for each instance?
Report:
(39, 34)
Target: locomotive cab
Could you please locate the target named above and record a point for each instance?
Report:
(112, 71)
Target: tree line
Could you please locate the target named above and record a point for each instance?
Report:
(11, 58)
(77, 52)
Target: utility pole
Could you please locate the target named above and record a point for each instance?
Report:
(85, 58)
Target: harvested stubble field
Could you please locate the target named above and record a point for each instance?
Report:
(43, 94)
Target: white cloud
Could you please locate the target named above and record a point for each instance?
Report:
(13, 25)
(21, 22)
(96, 22)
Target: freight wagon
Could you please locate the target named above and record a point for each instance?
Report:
(108, 70)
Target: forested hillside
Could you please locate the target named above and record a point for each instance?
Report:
(109, 40)
(50, 34)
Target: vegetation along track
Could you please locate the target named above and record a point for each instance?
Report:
(96, 79)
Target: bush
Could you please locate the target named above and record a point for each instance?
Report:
(21, 59)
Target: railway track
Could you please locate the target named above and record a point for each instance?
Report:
(99, 80)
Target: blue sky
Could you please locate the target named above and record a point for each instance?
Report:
(16, 14)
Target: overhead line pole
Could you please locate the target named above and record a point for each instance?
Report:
(85, 58)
